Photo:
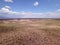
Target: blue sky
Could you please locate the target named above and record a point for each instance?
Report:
(30, 8)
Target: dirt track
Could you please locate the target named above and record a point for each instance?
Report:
(29, 36)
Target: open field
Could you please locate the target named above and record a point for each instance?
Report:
(30, 32)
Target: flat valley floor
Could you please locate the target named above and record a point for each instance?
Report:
(30, 32)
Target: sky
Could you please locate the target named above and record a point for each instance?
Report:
(29, 9)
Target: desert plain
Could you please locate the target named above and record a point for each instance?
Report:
(30, 32)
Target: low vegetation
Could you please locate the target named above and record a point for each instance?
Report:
(30, 32)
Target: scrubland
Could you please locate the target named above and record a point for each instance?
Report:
(30, 32)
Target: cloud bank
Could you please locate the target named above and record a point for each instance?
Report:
(7, 12)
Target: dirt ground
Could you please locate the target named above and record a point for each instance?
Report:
(30, 32)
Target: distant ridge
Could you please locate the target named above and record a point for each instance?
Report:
(28, 18)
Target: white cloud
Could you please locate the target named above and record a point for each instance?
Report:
(8, 7)
(36, 3)
(55, 14)
(8, 0)
(6, 10)
(58, 10)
